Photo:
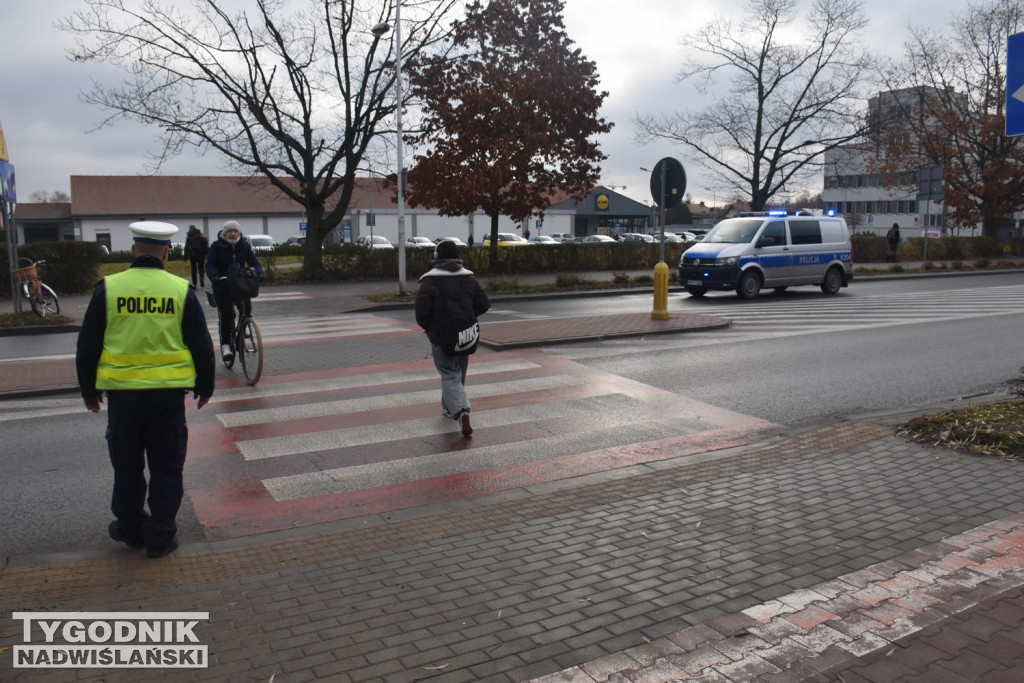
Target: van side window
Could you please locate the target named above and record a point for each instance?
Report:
(777, 231)
(805, 232)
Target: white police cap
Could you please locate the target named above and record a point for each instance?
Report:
(153, 232)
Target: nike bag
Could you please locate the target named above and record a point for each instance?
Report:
(243, 282)
(461, 328)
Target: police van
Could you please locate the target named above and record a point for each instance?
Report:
(772, 249)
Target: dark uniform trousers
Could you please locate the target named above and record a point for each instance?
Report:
(147, 425)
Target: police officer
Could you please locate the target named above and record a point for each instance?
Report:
(145, 343)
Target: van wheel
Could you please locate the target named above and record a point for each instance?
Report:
(833, 281)
(697, 291)
(750, 285)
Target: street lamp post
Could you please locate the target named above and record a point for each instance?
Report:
(379, 30)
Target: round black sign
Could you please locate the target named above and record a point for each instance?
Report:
(671, 172)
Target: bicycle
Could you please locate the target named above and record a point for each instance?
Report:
(246, 343)
(42, 299)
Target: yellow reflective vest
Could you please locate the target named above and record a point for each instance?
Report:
(143, 347)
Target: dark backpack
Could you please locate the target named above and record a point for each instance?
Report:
(460, 329)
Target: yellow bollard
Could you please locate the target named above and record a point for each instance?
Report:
(660, 311)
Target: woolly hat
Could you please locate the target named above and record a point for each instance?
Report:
(446, 250)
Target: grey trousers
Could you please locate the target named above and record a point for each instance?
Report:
(453, 381)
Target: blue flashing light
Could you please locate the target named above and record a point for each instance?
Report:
(831, 212)
(778, 212)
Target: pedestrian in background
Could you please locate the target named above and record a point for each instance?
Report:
(448, 302)
(894, 242)
(144, 342)
(196, 249)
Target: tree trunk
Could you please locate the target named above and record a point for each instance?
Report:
(316, 231)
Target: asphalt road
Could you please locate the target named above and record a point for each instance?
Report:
(791, 359)
(802, 356)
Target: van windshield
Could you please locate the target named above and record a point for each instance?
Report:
(734, 230)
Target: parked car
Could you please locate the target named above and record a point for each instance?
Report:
(261, 242)
(418, 243)
(507, 239)
(544, 240)
(458, 242)
(635, 237)
(667, 237)
(562, 237)
(375, 242)
(295, 241)
(597, 239)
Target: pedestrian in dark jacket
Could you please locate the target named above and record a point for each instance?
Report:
(447, 277)
(231, 248)
(196, 249)
(894, 242)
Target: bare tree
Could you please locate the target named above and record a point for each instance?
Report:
(959, 77)
(789, 102)
(294, 95)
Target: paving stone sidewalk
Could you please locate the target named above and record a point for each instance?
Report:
(591, 579)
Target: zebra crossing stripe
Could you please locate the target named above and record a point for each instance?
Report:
(583, 409)
(279, 329)
(345, 406)
(618, 428)
(283, 296)
(307, 386)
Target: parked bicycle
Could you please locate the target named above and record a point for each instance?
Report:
(246, 342)
(42, 299)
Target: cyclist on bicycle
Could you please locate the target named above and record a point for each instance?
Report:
(231, 248)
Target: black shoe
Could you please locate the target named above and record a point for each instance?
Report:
(115, 533)
(464, 421)
(166, 550)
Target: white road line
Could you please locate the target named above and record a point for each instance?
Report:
(355, 405)
(589, 409)
(617, 428)
(375, 379)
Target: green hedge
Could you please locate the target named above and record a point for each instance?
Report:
(875, 248)
(350, 262)
(71, 267)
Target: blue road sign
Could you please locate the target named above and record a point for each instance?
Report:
(1015, 84)
(8, 191)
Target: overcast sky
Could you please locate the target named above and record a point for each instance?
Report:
(637, 45)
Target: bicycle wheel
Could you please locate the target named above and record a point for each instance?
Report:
(250, 345)
(48, 300)
(34, 300)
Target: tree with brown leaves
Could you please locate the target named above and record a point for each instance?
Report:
(961, 78)
(508, 119)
